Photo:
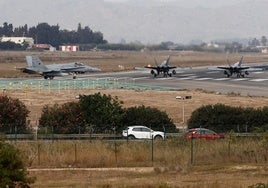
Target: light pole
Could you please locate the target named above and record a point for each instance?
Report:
(183, 106)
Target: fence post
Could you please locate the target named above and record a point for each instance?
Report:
(152, 149)
(52, 133)
(75, 153)
(192, 149)
(38, 153)
(16, 130)
(115, 146)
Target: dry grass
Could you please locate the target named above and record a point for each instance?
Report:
(172, 153)
(223, 163)
(216, 165)
(163, 100)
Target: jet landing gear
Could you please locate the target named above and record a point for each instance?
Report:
(49, 77)
(240, 75)
(165, 73)
(74, 76)
(153, 73)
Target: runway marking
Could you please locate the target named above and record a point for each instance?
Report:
(188, 78)
(140, 78)
(258, 80)
(169, 78)
(212, 72)
(221, 79)
(239, 79)
(187, 74)
(200, 79)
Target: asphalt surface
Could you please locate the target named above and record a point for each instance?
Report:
(204, 78)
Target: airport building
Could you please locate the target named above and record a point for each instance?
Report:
(70, 48)
(19, 40)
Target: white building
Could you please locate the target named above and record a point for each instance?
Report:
(19, 40)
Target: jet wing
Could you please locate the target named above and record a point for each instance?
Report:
(73, 67)
(237, 68)
(243, 68)
(172, 67)
(151, 67)
(225, 68)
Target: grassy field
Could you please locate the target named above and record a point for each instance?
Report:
(224, 163)
(215, 163)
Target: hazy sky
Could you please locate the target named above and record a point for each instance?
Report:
(148, 21)
(205, 3)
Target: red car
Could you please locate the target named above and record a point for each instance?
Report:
(207, 134)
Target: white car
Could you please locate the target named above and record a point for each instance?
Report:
(142, 132)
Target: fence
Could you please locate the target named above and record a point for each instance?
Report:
(51, 136)
(89, 83)
(175, 153)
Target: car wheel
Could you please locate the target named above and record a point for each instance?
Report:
(158, 137)
(131, 137)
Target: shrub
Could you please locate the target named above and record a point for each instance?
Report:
(12, 170)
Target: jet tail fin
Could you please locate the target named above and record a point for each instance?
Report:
(35, 62)
(240, 62)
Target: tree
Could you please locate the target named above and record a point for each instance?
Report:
(254, 42)
(150, 117)
(218, 117)
(12, 169)
(7, 30)
(13, 115)
(47, 34)
(64, 119)
(102, 112)
(263, 40)
(224, 118)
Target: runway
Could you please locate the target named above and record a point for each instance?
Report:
(202, 78)
(254, 84)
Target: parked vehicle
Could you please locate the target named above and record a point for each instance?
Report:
(142, 132)
(198, 133)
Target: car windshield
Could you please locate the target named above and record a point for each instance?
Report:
(141, 129)
(201, 131)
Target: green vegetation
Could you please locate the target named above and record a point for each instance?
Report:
(101, 114)
(12, 169)
(151, 117)
(224, 118)
(43, 33)
(13, 114)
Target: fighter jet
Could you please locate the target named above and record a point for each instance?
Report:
(35, 65)
(236, 68)
(162, 68)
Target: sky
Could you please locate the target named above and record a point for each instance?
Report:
(146, 21)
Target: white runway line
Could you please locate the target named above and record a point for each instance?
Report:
(200, 79)
(168, 78)
(141, 78)
(239, 79)
(258, 80)
(213, 72)
(222, 79)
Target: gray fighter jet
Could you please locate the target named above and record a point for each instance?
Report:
(35, 65)
(162, 68)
